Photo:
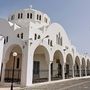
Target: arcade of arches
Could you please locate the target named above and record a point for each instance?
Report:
(58, 68)
(43, 70)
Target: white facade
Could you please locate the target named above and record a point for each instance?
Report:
(44, 50)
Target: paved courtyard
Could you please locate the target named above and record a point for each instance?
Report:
(82, 84)
(74, 84)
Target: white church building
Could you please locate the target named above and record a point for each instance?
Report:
(44, 51)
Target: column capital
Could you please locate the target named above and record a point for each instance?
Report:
(50, 62)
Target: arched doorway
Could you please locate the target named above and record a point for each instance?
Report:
(56, 66)
(83, 67)
(68, 67)
(77, 67)
(18, 65)
(88, 67)
(40, 64)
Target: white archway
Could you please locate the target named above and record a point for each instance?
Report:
(56, 66)
(40, 64)
(77, 66)
(83, 66)
(9, 64)
(69, 65)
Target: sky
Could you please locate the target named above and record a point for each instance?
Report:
(73, 15)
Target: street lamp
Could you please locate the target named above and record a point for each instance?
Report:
(14, 55)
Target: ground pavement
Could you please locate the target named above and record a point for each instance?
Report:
(69, 84)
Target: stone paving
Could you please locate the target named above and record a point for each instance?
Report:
(73, 84)
(61, 85)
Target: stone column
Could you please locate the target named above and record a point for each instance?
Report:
(63, 72)
(3, 73)
(73, 71)
(27, 67)
(49, 76)
(85, 71)
(80, 71)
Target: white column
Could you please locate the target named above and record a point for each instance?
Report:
(80, 70)
(73, 71)
(85, 71)
(49, 77)
(3, 73)
(63, 72)
(29, 77)
(27, 67)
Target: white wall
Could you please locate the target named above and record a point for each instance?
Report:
(1, 52)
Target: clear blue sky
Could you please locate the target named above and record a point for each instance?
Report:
(73, 15)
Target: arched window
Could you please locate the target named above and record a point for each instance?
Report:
(18, 15)
(30, 15)
(40, 17)
(48, 41)
(21, 35)
(12, 17)
(51, 43)
(59, 34)
(39, 37)
(45, 19)
(27, 15)
(18, 35)
(61, 41)
(7, 39)
(37, 16)
(4, 41)
(21, 15)
(17, 63)
(35, 36)
(56, 39)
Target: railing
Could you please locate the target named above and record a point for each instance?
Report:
(82, 72)
(41, 76)
(76, 73)
(68, 74)
(56, 75)
(8, 75)
(88, 72)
